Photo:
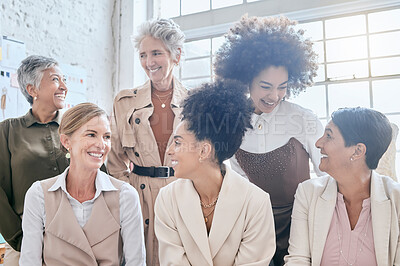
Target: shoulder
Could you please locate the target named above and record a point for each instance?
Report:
(391, 187)
(9, 123)
(315, 185)
(35, 191)
(174, 187)
(132, 94)
(289, 107)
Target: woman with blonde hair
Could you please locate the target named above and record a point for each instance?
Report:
(83, 216)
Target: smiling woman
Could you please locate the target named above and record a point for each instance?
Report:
(30, 145)
(96, 208)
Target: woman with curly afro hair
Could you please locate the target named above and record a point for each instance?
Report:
(211, 215)
(275, 61)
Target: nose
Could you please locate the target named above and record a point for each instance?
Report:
(101, 142)
(170, 149)
(273, 94)
(318, 143)
(149, 61)
(63, 85)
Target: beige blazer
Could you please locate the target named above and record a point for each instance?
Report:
(242, 231)
(314, 204)
(133, 141)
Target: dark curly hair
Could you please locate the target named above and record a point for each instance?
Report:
(255, 43)
(220, 113)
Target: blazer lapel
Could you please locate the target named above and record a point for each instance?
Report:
(229, 206)
(381, 219)
(324, 209)
(189, 206)
(72, 233)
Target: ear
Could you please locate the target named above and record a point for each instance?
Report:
(178, 56)
(206, 150)
(64, 139)
(359, 151)
(31, 90)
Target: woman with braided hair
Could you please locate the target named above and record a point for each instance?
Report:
(275, 61)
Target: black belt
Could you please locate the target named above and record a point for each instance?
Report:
(152, 171)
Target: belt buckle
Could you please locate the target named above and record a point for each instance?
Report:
(167, 172)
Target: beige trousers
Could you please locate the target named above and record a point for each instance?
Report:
(11, 258)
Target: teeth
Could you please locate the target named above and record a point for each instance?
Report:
(97, 155)
(268, 103)
(154, 70)
(174, 163)
(324, 156)
(60, 96)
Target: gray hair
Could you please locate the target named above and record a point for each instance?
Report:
(30, 72)
(165, 30)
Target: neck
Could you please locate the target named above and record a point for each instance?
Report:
(43, 115)
(163, 85)
(208, 183)
(355, 186)
(80, 182)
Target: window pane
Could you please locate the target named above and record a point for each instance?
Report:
(347, 26)
(382, 21)
(194, 83)
(348, 95)
(196, 68)
(385, 66)
(346, 49)
(169, 8)
(197, 48)
(319, 49)
(217, 43)
(225, 3)
(348, 70)
(190, 6)
(385, 44)
(313, 98)
(386, 95)
(313, 30)
(320, 74)
(249, 1)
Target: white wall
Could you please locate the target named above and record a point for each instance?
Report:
(76, 32)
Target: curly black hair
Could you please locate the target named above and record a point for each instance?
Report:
(255, 43)
(220, 113)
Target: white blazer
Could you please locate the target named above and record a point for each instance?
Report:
(314, 204)
(242, 231)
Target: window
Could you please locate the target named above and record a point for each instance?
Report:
(359, 64)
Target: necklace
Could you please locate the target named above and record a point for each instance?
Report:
(206, 216)
(362, 242)
(209, 205)
(166, 98)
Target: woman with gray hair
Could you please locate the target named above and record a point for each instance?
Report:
(30, 145)
(144, 119)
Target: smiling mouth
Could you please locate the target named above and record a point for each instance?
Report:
(324, 156)
(96, 155)
(153, 70)
(267, 103)
(174, 162)
(60, 96)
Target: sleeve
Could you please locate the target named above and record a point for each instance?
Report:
(171, 250)
(299, 243)
(313, 130)
(33, 226)
(118, 162)
(10, 222)
(258, 242)
(132, 227)
(236, 167)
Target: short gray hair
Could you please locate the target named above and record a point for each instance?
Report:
(165, 30)
(31, 72)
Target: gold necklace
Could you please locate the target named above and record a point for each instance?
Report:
(206, 206)
(166, 99)
(206, 216)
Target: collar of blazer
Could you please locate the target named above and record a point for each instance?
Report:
(380, 211)
(227, 210)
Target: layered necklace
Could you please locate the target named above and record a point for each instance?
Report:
(359, 250)
(163, 99)
(207, 206)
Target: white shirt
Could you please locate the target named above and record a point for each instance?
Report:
(273, 130)
(34, 219)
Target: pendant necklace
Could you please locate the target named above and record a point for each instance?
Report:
(206, 216)
(166, 99)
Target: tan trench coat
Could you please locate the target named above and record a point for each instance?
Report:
(133, 141)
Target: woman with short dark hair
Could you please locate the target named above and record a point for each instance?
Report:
(350, 217)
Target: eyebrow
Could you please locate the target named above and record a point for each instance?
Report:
(177, 137)
(328, 129)
(267, 83)
(152, 51)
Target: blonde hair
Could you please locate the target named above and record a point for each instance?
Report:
(77, 116)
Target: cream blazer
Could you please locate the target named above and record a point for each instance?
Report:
(314, 204)
(242, 231)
